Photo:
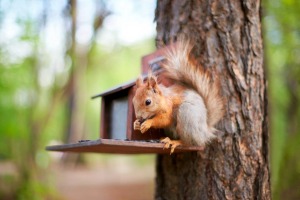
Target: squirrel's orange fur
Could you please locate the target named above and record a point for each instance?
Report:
(189, 108)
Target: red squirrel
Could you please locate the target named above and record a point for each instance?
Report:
(188, 109)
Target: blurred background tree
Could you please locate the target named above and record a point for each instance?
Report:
(282, 47)
(54, 55)
(53, 58)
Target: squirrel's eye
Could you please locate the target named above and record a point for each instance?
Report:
(148, 102)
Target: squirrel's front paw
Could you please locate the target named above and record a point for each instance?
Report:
(137, 125)
(145, 126)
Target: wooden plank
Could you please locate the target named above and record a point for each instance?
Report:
(120, 147)
(130, 114)
(103, 118)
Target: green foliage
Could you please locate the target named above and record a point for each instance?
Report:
(282, 38)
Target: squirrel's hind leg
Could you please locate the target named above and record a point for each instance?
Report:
(171, 144)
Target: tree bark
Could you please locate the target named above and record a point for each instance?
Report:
(229, 43)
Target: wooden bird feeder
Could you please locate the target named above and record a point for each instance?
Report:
(116, 126)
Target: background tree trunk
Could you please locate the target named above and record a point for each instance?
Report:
(80, 55)
(229, 43)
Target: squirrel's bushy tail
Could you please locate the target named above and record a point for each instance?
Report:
(180, 69)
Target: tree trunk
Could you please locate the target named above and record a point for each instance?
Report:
(229, 43)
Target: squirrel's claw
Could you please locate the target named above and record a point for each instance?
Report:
(171, 144)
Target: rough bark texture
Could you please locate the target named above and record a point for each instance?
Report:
(229, 43)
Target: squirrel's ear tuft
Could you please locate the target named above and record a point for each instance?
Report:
(139, 82)
(152, 82)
